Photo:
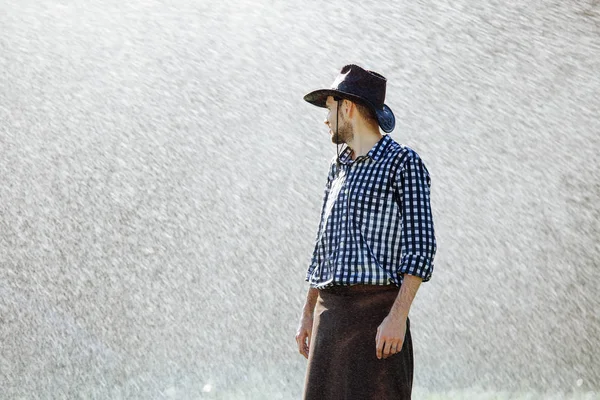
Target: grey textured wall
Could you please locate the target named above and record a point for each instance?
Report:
(161, 181)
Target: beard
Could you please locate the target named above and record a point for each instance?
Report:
(345, 133)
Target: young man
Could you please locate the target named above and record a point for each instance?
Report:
(375, 245)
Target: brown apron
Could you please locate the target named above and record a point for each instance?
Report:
(342, 362)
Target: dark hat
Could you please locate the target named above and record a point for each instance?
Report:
(362, 86)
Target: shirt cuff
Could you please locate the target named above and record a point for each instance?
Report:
(416, 265)
(308, 274)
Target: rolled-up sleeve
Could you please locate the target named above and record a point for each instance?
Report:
(418, 244)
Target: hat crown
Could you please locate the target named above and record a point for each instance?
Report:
(363, 83)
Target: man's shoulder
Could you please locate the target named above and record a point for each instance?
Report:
(401, 153)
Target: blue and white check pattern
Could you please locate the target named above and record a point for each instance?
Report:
(376, 223)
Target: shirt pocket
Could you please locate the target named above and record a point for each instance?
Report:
(370, 203)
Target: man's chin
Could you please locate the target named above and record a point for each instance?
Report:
(333, 136)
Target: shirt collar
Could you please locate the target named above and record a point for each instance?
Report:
(375, 153)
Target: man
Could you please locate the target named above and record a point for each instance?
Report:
(375, 245)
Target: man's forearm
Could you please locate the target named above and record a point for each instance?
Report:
(311, 300)
(408, 290)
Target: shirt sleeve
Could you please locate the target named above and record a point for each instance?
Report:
(418, 245)
(317, 247)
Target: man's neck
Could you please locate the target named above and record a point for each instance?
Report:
(362, 143)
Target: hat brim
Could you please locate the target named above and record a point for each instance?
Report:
(386, 119)
(385, 116)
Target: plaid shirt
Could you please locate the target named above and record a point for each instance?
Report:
(376, 222)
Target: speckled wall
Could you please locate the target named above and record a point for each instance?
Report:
(161, 180)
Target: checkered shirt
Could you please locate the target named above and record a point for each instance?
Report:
(376, 223)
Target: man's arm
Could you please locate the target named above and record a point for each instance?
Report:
(418, 250)
(304, 332)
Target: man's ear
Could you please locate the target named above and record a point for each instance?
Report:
(349, 108)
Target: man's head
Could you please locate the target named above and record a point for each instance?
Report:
(364, 89)
(352, 117)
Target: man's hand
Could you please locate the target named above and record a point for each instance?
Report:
(304, 333)
(390, 336)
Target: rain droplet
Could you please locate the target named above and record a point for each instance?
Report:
(579, 382)
(207, 388)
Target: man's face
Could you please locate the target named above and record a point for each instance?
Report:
(345, 131)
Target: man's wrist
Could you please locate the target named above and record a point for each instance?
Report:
(308, 310)
(398, 314)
